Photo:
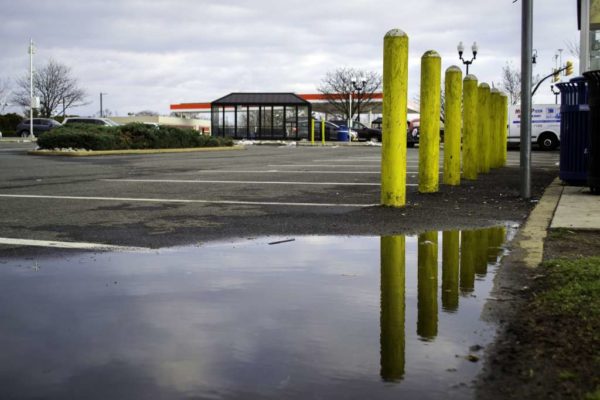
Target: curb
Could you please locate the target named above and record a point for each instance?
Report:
(91, 153)
(529, 242)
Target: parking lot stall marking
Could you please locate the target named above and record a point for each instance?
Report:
(276, 171)
(186, 201)
(242, 182)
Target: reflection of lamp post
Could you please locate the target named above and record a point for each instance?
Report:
(556, 93)
(461, 49)
(359, 88)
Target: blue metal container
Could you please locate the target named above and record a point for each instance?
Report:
(574, 123)
(343, 135)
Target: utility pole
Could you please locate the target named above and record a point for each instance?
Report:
(101, 108)
(31, 51)
(526, 72)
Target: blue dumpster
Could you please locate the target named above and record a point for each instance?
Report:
(593, 80)
(574, 122)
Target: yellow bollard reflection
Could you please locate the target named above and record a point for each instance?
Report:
(393, 266)
(468, 257)
(495, 241)
(427, 315)
(481, 236)
(450, 263)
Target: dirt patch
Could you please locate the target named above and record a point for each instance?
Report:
(551, 324)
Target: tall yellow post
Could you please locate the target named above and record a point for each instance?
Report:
(504, 139)
(452, 125)
(322, 131)
(395, 92)
(393, 266)
(312, 131)
(450, 263)
(429, 138)
(483, 126)
(470, 140)
(495, 121)
(427, 275)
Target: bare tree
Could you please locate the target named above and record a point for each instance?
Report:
(511, 82)
(573, 47)
(55, 86)
(147, 113)
(4, 94)
(337, 87)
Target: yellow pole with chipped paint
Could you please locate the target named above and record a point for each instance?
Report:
(429, 139)
(495, 128)
(323, 131)
(395, 92)
(483, 108)
(312, 131)
(504, 139)
(470, 151)
(452, 125)
(393, 308)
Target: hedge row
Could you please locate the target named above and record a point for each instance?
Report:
(130, 136)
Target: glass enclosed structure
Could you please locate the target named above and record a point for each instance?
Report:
(281, 116)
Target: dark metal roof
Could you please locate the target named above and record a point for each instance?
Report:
(255, 99)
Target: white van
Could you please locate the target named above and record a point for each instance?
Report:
(545, 125)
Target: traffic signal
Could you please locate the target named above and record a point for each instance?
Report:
(556, 75)
(569, 70)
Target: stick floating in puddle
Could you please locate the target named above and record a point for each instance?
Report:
(282, 241)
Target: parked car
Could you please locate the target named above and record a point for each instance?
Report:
(363, 132)
(92, 121)
(545, 126)
(40, 125)
(332, 129)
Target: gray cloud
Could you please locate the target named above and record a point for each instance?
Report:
(149, 54)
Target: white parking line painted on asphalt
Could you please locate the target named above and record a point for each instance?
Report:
(279, 171)
(67, 245)
(243, 182)
(185, 201)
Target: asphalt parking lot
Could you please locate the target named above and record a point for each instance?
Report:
(177, 199)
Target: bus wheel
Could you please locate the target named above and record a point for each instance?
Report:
(548, 141)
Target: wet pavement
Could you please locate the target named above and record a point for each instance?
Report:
(313, 317)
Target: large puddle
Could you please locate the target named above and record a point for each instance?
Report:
(317, 317)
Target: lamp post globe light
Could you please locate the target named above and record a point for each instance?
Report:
(461, 50)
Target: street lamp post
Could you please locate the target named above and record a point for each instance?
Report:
(102, 109)
(556, 93)
(359, 87)
(461, 49)
(31, 52)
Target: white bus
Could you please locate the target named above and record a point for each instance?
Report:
(545, 125)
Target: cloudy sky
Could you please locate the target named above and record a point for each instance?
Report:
(152, 53)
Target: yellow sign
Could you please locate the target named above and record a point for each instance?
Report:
(595, 14)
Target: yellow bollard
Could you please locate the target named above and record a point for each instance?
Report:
(322, 131)
(450, 263)
(470, 148)
(495, 122)
(483, 126)
(504, 139)
(452, 125)
(429, 138)
(312, 131)
(393, 309)
(427, 275)
(395, 92)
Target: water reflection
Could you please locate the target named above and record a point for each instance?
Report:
(450, 263)
(427, 305)
(464, 255)
(392, 307)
